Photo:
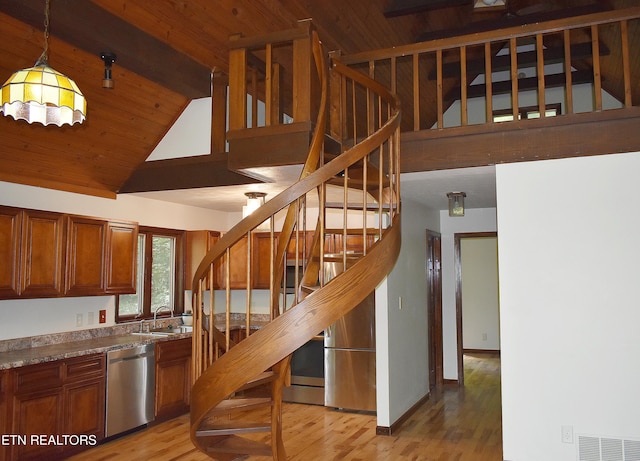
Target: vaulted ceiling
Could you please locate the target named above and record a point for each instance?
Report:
(166, 51)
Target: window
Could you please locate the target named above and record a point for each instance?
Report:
(506, 115)
(160, 276)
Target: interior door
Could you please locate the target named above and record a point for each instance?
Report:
(434, 308)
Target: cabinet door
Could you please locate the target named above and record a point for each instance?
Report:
(85, 256)
(261, 259)
(237, 267)
(42, 254)
(37, 409)
(10, 225)
(173, 378)
(84, 404)
(198, 245)
(121, 258)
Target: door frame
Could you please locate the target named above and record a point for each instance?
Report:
(458, 276)
(434, 308)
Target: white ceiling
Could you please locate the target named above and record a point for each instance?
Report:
(429, 188)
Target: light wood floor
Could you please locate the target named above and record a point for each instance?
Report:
(454, 425)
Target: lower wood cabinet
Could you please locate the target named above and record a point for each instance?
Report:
(57, 399)
(173, 378)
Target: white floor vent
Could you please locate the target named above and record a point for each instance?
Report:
(607, 449)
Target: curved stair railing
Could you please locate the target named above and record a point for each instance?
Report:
(352, 197)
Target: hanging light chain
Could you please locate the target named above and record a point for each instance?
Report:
(44, 57)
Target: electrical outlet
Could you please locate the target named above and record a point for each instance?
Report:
(78, 320)
(567, 434)
(89, 318)
(103, 316)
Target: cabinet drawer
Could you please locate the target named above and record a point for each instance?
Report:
(85, 367)
(44, 376)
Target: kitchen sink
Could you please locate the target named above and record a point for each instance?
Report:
(165, 331)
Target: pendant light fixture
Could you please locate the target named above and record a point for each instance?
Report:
(41, 94)
(456, 203)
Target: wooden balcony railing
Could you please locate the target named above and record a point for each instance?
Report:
(562, 67)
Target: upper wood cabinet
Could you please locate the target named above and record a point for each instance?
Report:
(200, 242)
(48, 254)
(42, 254)
(32, 245)
(101, 257)
(198, 245)
(121, 261)
(86, 250)
(10, 232)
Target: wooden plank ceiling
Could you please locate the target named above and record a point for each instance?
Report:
(166, 51)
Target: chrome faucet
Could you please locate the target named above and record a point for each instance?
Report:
(159, 308)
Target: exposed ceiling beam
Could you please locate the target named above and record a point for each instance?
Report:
(184, 173)
(406, 7)
(94, 30)
(511, 20)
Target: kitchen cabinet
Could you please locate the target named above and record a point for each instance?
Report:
(49, 254)
(121, 257)
(37, 409)
(32, 244)
(260, 263)
(237, 267)
(86, 249)
(10, 233)
(57, 398)
(84, 398)
(198, 245)
(42, 254)
(101, 257)
(173, 378)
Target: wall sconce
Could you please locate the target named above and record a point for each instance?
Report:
(41, 94)
(254, 201)
(109, 59)
(456, 203)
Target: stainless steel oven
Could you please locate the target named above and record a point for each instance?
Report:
(307, 373)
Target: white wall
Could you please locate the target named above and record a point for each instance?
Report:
(480, 306)
(31, 317)
(474, 220)
(402, 364)
(569, 291)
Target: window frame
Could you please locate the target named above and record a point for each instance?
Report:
(179, 260)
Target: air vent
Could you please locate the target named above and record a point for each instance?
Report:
(607, 449)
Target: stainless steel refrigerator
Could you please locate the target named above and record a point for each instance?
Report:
(350, 359)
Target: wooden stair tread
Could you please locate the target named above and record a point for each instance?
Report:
(228, 428)
(232, 444)
(230, 405)
(262, 378)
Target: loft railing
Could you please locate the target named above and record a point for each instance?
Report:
(535, 70)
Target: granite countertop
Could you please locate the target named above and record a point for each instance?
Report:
(69, 349)
(47, 348)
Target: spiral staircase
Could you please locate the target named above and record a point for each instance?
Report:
(345, 208)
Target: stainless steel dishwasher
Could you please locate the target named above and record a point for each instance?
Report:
(130, 388)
